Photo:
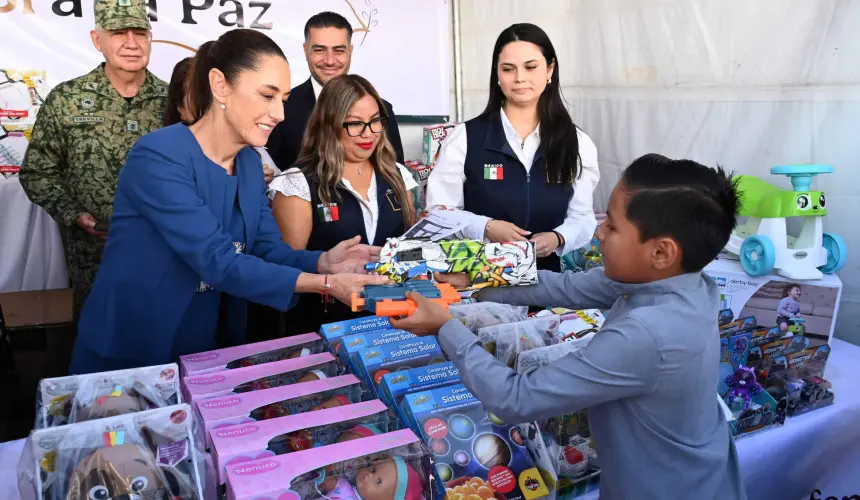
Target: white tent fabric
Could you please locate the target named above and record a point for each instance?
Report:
(747, 85)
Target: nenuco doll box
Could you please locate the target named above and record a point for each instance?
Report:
(259, 377)
(392, 466)
(471, 446)
(251, 354)
(279, 436)
(798, 307)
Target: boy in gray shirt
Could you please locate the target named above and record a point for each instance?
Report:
(649, 377)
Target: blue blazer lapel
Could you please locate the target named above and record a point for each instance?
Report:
(249, 168)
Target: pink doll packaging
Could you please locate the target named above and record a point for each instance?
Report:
(259, 377)
(294, 433)
(251, 354)
(224, 411)
(383, 467)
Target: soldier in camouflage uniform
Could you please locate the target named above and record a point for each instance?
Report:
(85, 130)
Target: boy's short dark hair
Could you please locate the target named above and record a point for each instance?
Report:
(684, 200)
(328, 20)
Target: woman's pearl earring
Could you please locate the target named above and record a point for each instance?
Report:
(223, 106)
(549, 81)
(499, 83)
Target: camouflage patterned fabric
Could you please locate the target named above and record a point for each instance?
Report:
(121, 14)
(80, 141)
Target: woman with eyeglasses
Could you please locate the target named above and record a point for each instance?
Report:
(345, 182)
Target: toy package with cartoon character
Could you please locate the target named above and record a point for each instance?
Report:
(334, 332)
(487, 264)
(78, 398)
(223, 411)
(477, 315)
(508, 340)
(390, 466)
(374, 362)
(352, 344)
(259, 377)
(279, 436)
(150, 454)
(395, 386)
(474, 451)
(259, 353)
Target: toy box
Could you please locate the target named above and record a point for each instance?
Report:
(472, 448)
(434, 136)
(374, 362)
(150, 454)
(332, 332)
(259, 377)
(250, 354)
(487, 264)
(394, 386)
(478, 315)
(78, 398)
(279, 436)
(396, 463)
(293, 399)
(421, 172)
(350, 345)
(508, 340)
(752, 408)
(765, 356)
(800, 307)
(803, 393)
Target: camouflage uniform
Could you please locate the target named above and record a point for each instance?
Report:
(81, 138)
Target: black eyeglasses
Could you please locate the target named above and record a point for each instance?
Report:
(355, 129)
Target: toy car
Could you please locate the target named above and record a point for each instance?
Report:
(763, 243)
(797, 326)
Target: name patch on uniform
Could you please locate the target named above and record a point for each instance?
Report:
(494, 171)
(392, 200)
(89, 119)
(328, 212)
(91, 86)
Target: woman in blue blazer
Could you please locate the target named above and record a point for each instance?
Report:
(192, 236)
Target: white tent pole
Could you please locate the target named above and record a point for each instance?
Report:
(458, 64)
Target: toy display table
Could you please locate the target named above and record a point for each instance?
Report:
(818, 450)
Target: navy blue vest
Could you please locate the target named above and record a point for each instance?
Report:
(525, 199)
(326, 233)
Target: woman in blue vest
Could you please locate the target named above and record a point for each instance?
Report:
(521, 170)
(192, 235)
(345, 183)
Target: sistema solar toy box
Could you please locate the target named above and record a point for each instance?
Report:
(395, 386)
(352, 344)
(374, 362)
(474, 452)
(333, 332)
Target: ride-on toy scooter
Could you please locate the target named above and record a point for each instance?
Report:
(763, 243)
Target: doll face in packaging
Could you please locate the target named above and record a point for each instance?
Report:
(79, 398)
(243, 356)
(508, 340)
(478, 315)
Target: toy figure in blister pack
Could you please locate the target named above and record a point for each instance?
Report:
(125, 467)
(743, 386)
(725, 317)
(739, 349)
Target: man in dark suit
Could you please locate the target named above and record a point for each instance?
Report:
(328, 50)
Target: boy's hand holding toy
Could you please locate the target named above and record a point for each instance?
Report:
(427, 319)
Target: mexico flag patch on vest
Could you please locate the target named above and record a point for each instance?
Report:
(328, 212)
(494, 172)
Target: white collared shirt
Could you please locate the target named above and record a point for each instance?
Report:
(445, 184)
(294, 183)
(317, 88)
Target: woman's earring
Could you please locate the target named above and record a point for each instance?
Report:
(499, 83)
(223, 106)
(549, 81)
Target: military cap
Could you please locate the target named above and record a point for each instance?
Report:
(121, 14)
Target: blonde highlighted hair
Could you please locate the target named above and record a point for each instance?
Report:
(322, 151)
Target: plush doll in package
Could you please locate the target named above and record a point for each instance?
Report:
(79, 398)
(486, 264)
(147, 455)
(479, 315)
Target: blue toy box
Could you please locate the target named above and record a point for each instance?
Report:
(472, 448)
(350, 345)
(333, 332)
(374, 362)
(394, 386)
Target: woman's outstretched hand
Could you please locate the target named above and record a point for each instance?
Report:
(348, 256)
(345, 284)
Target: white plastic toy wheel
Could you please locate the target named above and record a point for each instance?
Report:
(758, 255)
(836, 253)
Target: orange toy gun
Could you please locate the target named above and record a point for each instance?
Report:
(390, 300)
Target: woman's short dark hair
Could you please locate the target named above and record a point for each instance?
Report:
(176, 92)
(235, 52)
